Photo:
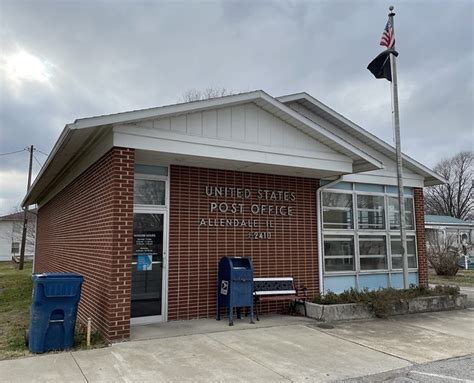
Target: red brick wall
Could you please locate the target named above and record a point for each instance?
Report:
(420, 236)
(194, 251)
(87, 228)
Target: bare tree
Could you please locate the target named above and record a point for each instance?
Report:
(211, 92)
(443, 252)
(455, 198)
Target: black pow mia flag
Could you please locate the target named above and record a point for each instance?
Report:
(380, 66)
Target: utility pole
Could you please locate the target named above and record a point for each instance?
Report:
(396, 127)
(25, 215)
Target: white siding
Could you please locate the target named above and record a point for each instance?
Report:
(194, 124)
(245, 123)
(9, 235)
(5, 240)
(178, 124)
(385, 176)
(224, 123)
(209, 123)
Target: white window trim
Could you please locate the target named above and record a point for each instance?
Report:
(159, 209)
(386, 232)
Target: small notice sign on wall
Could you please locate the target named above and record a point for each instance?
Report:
(144, 262)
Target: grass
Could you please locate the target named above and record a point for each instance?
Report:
(15, 301)
(462, 278)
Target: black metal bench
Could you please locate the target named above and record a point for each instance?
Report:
(277, 289)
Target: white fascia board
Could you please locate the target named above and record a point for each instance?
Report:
(133, 139)
(77, 150)
(63, 138)
(432, 177)
(147, 133)
(94, 123)
(384, 179)
(317, 131)
(466, 225)
(324, 133)
(168, 110)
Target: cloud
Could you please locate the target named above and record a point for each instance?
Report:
(98, 57)
(13, 188)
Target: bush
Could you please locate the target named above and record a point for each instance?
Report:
(443, 254)
(384, 301)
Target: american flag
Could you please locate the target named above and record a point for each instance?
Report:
(388, 39)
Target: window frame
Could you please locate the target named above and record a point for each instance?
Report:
(338, 191)
(409, 234)
(412, 211)
(356, 232)
(17, 247)
(353, 257)
(152, 177)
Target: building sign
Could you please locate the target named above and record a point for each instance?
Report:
(253, 205)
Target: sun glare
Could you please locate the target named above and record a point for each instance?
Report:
(22, 66)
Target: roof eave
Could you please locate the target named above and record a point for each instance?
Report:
(431, 177)
(362, 161)
(61, 140)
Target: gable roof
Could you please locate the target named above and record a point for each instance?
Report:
(260, 98)
(77, 135)
(18, 216)
(445, 220)
(325, 112)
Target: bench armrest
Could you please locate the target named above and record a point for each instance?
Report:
(302, 292)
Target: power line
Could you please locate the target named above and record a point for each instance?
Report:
(39, 163)
(17, 151)
(39, 151)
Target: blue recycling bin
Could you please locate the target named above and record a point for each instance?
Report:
(53, 311)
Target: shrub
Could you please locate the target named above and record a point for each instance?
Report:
(443, 253)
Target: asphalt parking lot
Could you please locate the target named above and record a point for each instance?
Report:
(415, 348)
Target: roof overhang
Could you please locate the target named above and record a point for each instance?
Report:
(78, 137)
(431, 178)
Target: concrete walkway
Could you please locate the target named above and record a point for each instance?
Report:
(276, 349)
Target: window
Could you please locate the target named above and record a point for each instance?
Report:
(339, 253)
(149, 192)
(396, 247)
(151, 169)
(394, 213)
(370, 212)
(337, 210)
(371, 241)
(17, 227)
(15, 247)
(373, 252)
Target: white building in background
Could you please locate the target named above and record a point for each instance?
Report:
(442, 228)
(11, 226)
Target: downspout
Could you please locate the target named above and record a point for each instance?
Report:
(319, 215)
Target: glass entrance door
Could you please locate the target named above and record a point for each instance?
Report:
(147, 266)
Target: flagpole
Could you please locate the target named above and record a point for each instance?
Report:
(396, 128)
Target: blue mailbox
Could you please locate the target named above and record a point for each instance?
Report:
(53, 311)
(235, 286)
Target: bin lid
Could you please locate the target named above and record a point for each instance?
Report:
(57, 275)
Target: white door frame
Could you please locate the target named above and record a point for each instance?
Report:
(155, 209)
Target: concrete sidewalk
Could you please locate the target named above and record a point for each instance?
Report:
(276, 349)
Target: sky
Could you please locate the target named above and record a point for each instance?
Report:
(63, 60)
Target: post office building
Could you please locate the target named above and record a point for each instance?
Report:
(145, 203)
